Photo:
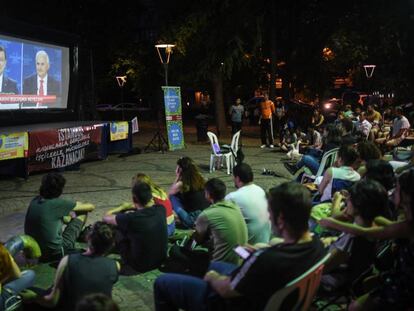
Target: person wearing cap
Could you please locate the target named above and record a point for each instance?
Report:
(236, 113)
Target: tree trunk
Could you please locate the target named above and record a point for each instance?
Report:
(273, 55)
(220, 116)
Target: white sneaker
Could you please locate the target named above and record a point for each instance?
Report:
(271, 146)
(262, 146)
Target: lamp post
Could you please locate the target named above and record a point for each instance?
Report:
(369, 71)
(164, 52)
(121, 80)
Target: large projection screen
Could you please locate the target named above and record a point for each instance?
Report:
(33, 75)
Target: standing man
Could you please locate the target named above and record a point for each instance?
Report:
(7, 85)
(253, 204)
(41, 83)
(267, 109)
(236, 113)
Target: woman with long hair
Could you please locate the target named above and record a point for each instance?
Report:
(187, 192)
(160, 198)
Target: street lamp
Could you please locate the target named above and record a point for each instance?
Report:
(121, 80)
(164, 52)
(369, 70)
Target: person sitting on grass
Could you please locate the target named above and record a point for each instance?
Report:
(222, 223)
(12, 280)
(142, 237)
(45, 218)
(187, 192)
(160, 198)
(253, 204)
(81, 274)
(97, 302)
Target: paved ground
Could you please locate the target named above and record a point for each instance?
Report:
(107, 183)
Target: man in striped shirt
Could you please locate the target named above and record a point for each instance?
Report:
(263, 272)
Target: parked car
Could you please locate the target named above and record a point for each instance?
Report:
(125, 106)
(330, 108)
(103, 107)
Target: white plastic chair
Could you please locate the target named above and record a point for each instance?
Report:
(328, 160)
(234, 146)
(217, 155)
(307, 284)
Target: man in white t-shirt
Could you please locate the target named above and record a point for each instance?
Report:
(253, 204)
(400, 130)
(341, 175)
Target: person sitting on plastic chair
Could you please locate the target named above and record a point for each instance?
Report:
(263, 271)
(352, 255)
(347, 158)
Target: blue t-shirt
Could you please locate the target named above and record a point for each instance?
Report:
(236, 113)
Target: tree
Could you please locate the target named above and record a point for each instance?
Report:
(213, 41)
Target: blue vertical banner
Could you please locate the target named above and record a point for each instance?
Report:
(172, 102)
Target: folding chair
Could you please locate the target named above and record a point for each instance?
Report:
(217, 155)
(328, 160)
(305, 285)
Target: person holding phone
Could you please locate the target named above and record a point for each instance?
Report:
(263, 272)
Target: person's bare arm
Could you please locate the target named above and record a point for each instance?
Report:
(52, 298)
(325, 181)
(382, 221)
(15, 272)
(397, 230)
(221, 284)
(83, 207)
(110, 220)
(175, 187)
(122, 208)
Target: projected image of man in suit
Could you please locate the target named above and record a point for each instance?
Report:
(41, 83)
(7, 85)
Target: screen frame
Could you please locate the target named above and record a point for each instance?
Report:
(39, 34)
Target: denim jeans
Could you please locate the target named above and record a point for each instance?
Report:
(178, 291)
(310, 162)
(26, 280)
(187, 219)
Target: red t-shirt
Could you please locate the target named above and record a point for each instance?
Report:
(168, 208)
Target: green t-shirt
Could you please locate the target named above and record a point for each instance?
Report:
(224, 222)
(44, 221)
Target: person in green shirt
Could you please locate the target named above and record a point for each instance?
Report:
(222, 222)
(45, 217)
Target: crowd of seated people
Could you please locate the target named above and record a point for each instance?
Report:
(366, 205)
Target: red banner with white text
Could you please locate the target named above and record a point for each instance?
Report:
(58, 148)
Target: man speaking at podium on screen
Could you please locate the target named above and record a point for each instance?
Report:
(40, 83)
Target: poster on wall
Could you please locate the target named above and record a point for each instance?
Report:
(119, 130)
(13, 146)
(58, 148)
(173, 115)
